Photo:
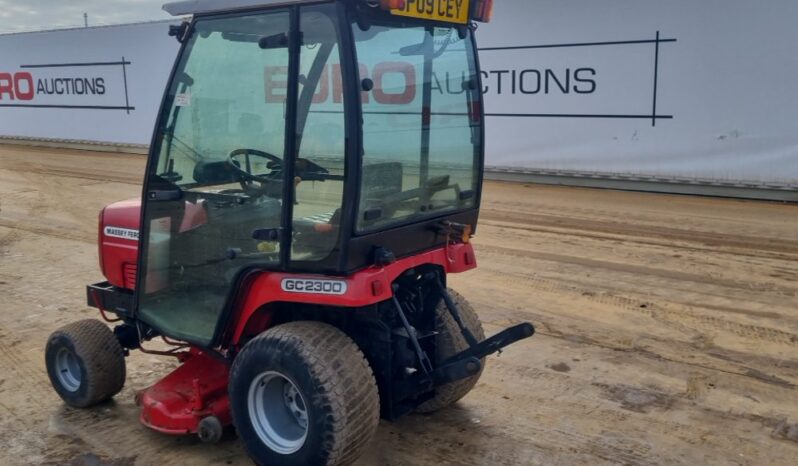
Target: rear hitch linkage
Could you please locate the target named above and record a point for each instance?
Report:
(467, 362)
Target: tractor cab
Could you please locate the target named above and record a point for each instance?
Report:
(314, 176)
(306, 137)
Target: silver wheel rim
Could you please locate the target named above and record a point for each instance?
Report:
(278, 412)
(68, 369)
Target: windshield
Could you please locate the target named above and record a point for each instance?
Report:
(422, 136)
(229, 102)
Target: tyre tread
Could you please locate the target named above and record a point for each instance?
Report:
(102, 356)
(349, 388)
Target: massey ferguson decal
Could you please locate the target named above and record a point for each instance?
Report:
(123, 233)
(92, 85)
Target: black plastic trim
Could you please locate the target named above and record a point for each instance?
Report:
(403, 241)
(110, 298)
(290, 155)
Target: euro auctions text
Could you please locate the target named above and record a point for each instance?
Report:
(24, 86)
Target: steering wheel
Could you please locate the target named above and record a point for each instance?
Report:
(257, 185)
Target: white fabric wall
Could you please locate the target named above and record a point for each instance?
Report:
(729, 82)
(148, 51)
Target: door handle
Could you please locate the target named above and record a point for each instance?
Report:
(158, 195)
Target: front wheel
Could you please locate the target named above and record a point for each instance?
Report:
(85, 362)
(303, 393)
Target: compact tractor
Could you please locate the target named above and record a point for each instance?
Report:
(314, 176)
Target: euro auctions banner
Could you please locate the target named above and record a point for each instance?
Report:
(47, 86)
(672, 89)
(97, 84)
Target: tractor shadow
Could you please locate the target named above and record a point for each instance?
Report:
(110, 434)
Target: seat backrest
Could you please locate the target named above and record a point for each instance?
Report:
(381, 180)
(210, 173)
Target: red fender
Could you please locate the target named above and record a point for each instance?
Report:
(364, 288)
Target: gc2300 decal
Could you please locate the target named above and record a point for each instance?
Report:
(313, 286)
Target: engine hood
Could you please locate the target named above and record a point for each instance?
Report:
(118, 242)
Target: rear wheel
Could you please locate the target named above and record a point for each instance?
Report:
(85, 363)
(449, 342)
(303, 393)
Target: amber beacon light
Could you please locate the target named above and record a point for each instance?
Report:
(483, 10)
(392, 4)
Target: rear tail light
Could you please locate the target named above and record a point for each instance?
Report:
(483, 11)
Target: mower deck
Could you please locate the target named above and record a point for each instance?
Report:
(195, 390)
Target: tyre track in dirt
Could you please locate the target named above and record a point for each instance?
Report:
(19, 366)
(650, 235)
(44, 228)
(642, 270)
(658, 312)
(19, 375)
(69, 164)
(88, 174)
(505, 258)
(63, 189)
(38, 209)
(718, 359)
(35, 219)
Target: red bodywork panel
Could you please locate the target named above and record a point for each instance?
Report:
(363, 288)
(118, 247)
(195, 390)
(118, 238)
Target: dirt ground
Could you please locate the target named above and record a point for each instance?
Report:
(668, 330)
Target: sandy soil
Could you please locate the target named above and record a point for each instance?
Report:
(668, 330)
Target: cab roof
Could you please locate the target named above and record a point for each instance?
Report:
(192, 7)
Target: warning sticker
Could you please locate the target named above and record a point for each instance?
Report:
(183, 100)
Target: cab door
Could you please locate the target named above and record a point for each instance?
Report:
(214, 195)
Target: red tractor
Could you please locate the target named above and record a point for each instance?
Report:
(315, 174)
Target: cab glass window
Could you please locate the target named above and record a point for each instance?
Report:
(218, 176)
(321, 137)
(421, 123)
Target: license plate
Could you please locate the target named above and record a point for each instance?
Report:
(447, 11)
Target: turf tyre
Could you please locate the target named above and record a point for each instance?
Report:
(96, 359)
(334, 379)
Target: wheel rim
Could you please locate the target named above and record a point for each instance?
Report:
(68, 370)
(278, 412)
